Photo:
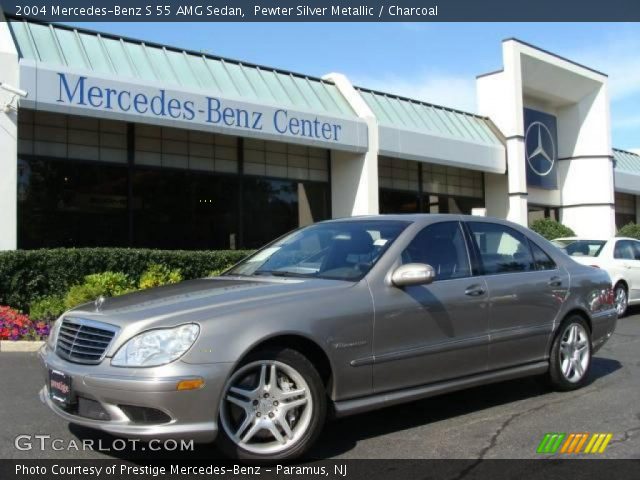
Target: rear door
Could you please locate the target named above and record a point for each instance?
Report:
(526, 291)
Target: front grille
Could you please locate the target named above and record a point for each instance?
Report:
(84, 341)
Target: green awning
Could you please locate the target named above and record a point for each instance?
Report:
(105, 54)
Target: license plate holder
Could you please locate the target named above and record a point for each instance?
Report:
(60, 387)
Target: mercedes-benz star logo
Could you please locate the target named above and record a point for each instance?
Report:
(543, 156)
(99, 303)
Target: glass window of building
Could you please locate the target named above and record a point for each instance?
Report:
(538, 212)
(625, 206)
(285, 186)
(179, 209)
(80, 185)
(67, 203)
(451, 190)
(409, 187)
(399, 189)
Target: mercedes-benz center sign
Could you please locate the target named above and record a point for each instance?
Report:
(57, 90)
(541, 151)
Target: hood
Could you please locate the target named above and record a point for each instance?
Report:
(201, 299)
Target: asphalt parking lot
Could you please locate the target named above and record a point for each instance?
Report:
(506, 420)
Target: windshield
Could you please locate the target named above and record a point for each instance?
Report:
(580, 248)
(334, 250)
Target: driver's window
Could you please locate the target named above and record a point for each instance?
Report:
(442, 246)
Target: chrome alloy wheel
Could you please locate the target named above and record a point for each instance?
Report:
(621, 300)
(267, 407)
(575, 351)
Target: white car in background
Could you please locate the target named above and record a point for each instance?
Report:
(620, 257)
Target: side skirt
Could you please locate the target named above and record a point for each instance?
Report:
(373, 402)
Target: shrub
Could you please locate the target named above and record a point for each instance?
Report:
(17, 326)
(551, 229)
(27, 275)
(109, 284)
(218, 271)
(47, 309)
(630, 230)
(158, 275)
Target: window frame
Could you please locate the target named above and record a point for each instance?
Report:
(625, 241)
(533, 244)
(461, 228)
(478, 253)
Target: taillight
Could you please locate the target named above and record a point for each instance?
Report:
(610, 296)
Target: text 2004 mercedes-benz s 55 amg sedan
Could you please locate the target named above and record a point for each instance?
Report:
(342, 316)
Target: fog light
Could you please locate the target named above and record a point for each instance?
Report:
(192, 384)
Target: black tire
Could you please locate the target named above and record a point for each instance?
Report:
(622, 286)
(557, 379)
(306, 369)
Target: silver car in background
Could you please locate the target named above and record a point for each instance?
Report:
(336, 318)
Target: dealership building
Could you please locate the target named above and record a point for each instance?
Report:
(121, 142)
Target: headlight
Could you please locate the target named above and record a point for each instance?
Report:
(53, 333)
(156, 347)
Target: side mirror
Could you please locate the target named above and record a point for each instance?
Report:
(413, 274)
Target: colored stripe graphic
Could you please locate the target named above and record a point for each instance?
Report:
(573, 443)
(551, 442)
(598, 443)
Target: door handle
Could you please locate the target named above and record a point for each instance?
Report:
(555, 282)
(474, 291)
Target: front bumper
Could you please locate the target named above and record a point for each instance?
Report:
(186, 414)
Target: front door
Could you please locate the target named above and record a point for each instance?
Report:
(526, 290)
(429, 333)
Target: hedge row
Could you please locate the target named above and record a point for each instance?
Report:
(26, 275)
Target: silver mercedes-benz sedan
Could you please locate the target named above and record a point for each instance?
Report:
(335, 318)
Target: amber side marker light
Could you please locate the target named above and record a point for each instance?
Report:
(192, 384)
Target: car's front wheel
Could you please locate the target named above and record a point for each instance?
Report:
(273, 407)
(621, 299)
(570, 355)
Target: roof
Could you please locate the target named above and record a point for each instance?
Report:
(106, 54)
(627, 162)
(405, 113)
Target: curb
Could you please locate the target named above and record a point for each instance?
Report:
(21, 345)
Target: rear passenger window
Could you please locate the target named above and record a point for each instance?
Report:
(442, 246)
(541, 259)
(624, 250)
(502, 249)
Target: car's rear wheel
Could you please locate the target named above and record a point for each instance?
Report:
(570, 355)
(273, 407)
(621, 299)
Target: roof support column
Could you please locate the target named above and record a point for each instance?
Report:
(500, 98)
(9, 74)
(354, 176)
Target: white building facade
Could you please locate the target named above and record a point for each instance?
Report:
(121, 142)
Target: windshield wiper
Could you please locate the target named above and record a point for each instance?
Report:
(282, 273)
